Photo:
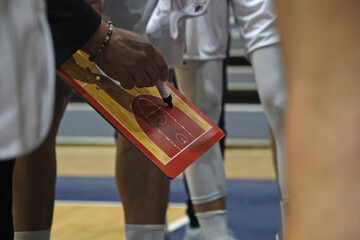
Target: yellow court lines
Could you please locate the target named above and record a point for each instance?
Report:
(240, 163)
(101, 220)
(249, 163)
(92, 160)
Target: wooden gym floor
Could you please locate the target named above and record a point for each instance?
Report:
(103, 220)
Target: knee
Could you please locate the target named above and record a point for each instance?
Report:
(279, 103)
(274, 102)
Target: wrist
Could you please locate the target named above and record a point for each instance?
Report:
(104, 43)
(91, 47)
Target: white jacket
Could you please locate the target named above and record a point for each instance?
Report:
(27, 76)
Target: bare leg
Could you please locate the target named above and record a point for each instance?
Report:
(322, 54)
(35, 174)
(6, 218)
(144, 190)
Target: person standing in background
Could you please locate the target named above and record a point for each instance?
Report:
(35, 172)
(322, 58)
(26, 91)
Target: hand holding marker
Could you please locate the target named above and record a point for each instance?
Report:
(160, 85)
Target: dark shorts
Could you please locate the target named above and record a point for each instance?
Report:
(6, 221)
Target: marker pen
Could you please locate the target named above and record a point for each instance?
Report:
(164, 92)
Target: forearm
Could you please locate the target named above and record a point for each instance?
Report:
(128, 57)
(93, 44)
(73, 23)
(322, 54)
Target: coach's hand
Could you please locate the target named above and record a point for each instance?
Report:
(128, 58)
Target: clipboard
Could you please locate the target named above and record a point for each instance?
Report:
(171, 138)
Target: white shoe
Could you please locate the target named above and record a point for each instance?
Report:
(277, 237)
(197, 234)
(193, 233)
(231, 235)
(167, 233)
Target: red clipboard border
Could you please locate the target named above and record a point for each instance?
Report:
(173, 168)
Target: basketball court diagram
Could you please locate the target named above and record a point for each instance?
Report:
(176, 135)
(172, 138)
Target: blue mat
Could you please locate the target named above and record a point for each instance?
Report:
(254, 212)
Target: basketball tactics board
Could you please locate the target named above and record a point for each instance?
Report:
(172, 138)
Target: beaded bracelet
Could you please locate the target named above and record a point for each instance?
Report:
(104, 43)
